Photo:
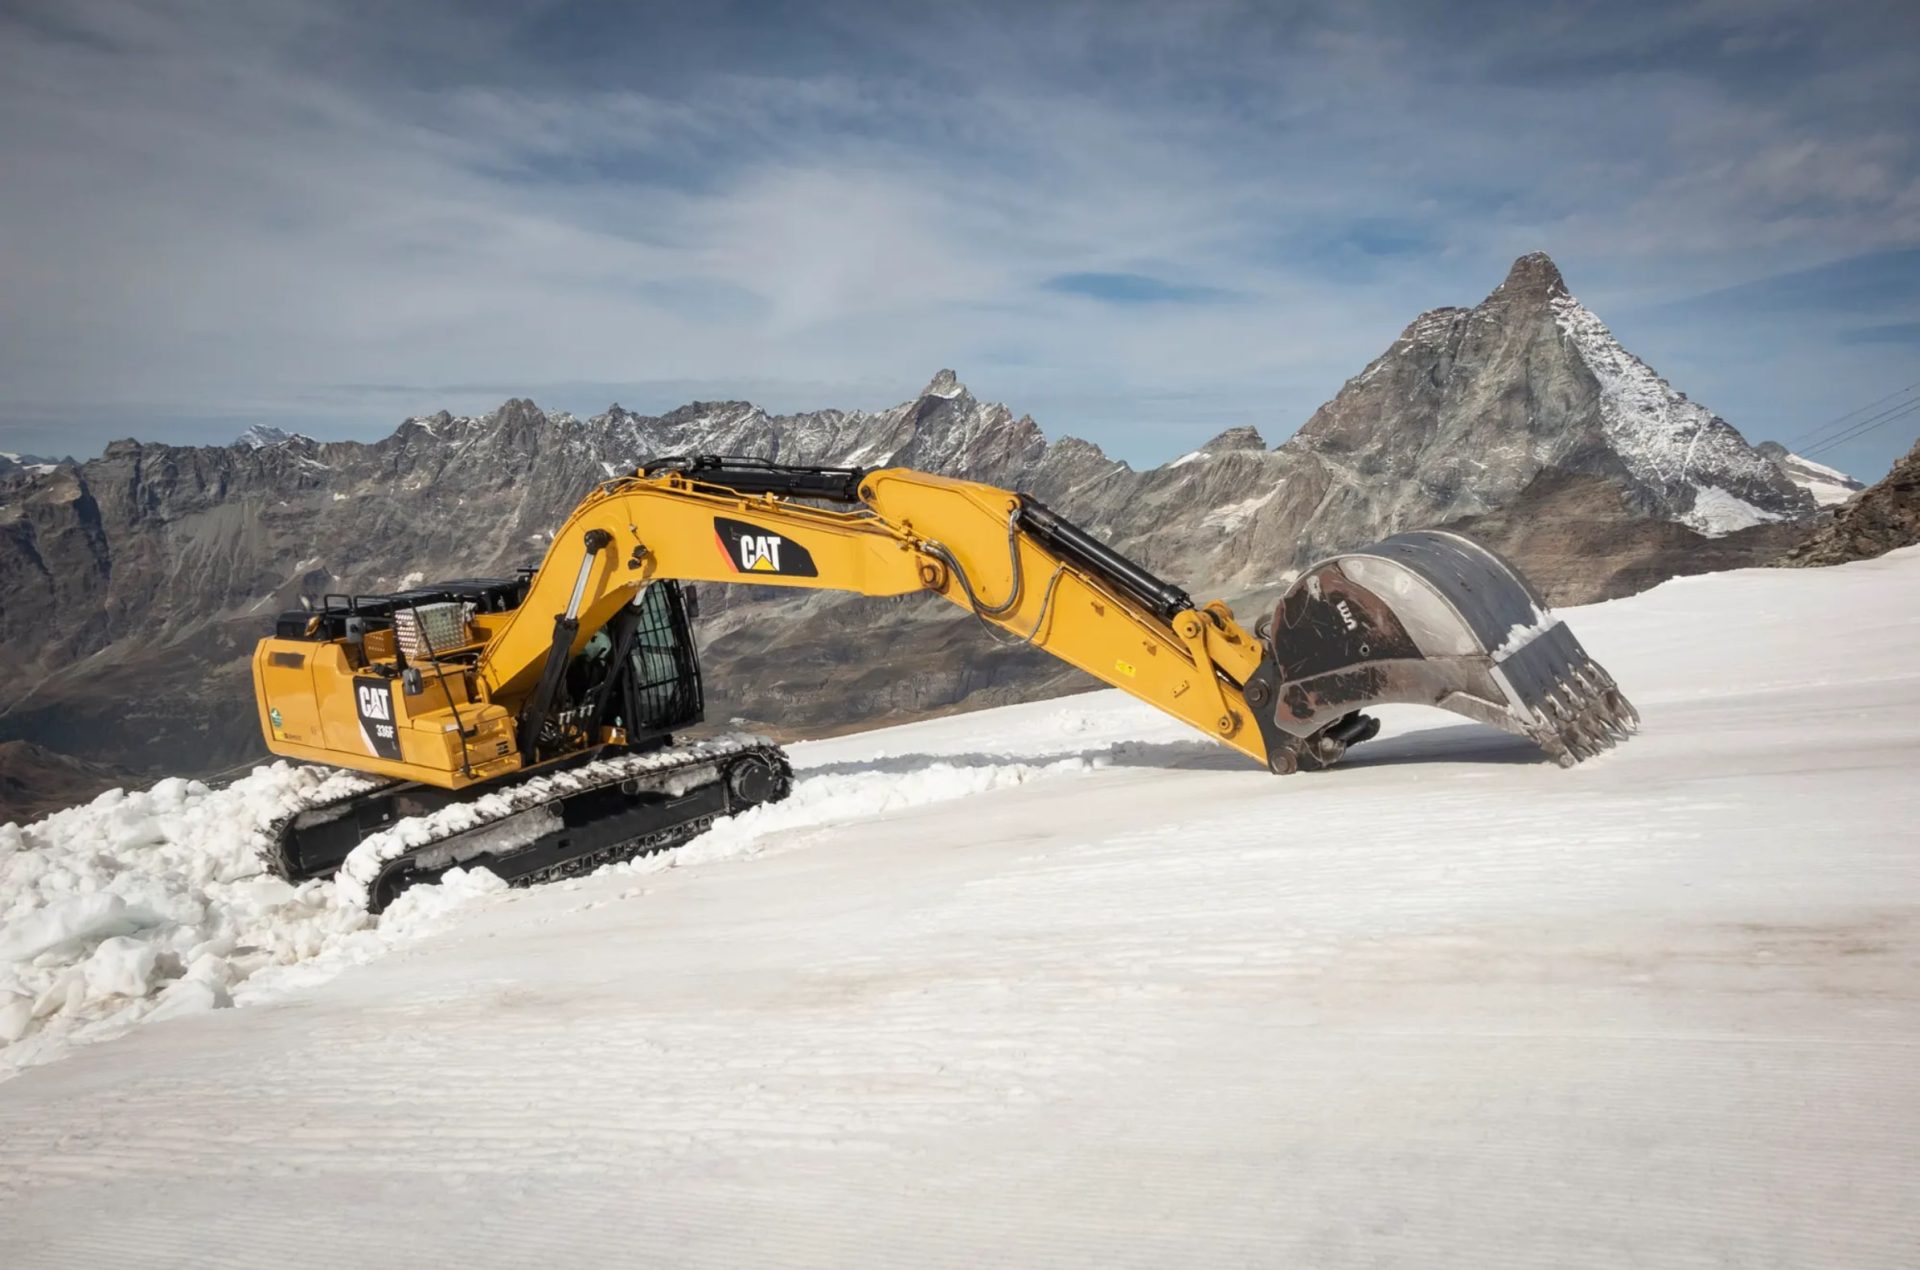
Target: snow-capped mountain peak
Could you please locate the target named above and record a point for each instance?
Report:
(1468, 407)
(1671, 443)
(262, 436)
(944, 384)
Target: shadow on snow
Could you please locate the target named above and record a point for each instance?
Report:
(1462, 743)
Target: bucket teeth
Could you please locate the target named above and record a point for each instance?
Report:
(1619, 711)
(1584, 715)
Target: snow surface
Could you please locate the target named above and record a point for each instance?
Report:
(142, 905)
(1127, 1003)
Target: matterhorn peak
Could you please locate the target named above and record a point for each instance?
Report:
(1533, 276)
(945, 384)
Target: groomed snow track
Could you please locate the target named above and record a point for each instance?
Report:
(1063, 985)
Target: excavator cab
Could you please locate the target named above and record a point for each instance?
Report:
(639, 675)
(387, 683)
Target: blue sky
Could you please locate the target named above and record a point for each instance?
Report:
(1140, 223)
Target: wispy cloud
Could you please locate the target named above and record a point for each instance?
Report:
(1131, 288)
(219, 209)
(1899, 334)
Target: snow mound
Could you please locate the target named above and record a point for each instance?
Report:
(157, 903)
(363, 865)
(832, 794)
(154, 904)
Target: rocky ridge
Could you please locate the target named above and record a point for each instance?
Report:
(1884, 517)
(136, 582)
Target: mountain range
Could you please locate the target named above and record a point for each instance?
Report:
(135, 583)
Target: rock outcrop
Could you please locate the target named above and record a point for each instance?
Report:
(1578, 539)
(1882, 518)
(35, 780)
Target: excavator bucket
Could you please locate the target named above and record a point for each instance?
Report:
(1433, 618)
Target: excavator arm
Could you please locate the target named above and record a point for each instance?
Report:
(1026, 573)
(1429, 618)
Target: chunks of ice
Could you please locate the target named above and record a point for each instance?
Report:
(80, 920)
(121, 967)
(16, 1016)
(157, 900)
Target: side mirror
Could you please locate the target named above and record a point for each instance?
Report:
(691, 599)
(411, 683)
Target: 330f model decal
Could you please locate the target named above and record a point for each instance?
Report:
(751, 549)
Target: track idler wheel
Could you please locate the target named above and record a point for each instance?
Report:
(758, 779)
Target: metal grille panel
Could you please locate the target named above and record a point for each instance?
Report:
(431, 628)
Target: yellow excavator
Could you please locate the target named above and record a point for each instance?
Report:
(527, 724)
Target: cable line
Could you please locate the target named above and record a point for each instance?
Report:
(1815, 432)
(1861, 429)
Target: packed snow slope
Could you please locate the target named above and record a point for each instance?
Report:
(1063, 984)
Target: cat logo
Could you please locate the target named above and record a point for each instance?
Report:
(760, 552)
(373, 701)
(751, 549)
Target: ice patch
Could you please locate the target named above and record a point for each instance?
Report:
(1234, 515)
(1716, 512)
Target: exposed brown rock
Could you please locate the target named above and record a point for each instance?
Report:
(1882, 518)
(35, 780)
(1577, 539)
